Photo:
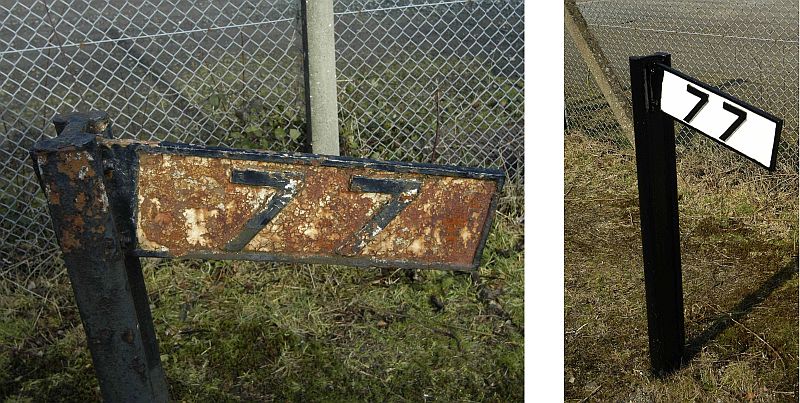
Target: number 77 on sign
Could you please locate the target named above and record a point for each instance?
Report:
(743, 128)
(212, 203)
(112, 201)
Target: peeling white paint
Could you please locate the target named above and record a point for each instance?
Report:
(82, 172)
(378, 200)
(167, 161)
(417, 247)
(196, 230)
(465, 235)
(291, 187)
(311, 232)
(411, 192)
(103, 197)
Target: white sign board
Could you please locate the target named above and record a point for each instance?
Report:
(732, 122)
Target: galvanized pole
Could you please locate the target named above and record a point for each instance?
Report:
(322, 122)
(654, 132)
(108, 286)
(602, 72)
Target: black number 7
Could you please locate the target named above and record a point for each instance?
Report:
(741, 115)
(700, 104)
(286, 184)
(403, 193)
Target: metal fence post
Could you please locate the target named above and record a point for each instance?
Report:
(601, 70)
(654, 133)
(109, 288)
(322, 119)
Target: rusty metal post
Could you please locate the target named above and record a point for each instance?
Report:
(109, 288)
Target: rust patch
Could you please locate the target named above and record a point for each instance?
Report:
(75, 222)
(443, 223)
(75, 165)
(80, 204)
(188, 204)
(52, 197)
(68, 240)
(127, 336)
(80, 201)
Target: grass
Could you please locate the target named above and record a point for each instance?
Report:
(232, 331)
(739, 253)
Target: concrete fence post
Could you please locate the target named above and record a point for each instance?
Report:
(320, 76)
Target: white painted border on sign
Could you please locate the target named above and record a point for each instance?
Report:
(754, 137)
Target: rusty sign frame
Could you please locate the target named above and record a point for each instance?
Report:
(125, 154)
(90, 183)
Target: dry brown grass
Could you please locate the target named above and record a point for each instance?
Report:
(739, 253)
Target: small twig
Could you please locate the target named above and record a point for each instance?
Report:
(469, 330)
(436, 102)
(591, 394)
(484, 297)
(21, 286)
(575, 332)
(774, 351)
(573, 181)
(780, 357)
(449, 334)
(190, 331)
(750, 218)
(597, 199)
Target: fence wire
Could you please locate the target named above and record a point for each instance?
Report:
(417, 81)
(747, 49)
(586, 111)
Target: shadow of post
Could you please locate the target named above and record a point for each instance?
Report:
(741, 309)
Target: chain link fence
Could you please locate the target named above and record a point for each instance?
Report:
(586, 110)
(747, 49)
(425, 81)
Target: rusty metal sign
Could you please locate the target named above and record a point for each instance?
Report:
(213, 203)
(112, 201)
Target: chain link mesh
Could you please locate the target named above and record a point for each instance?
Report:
(223, 72)
(435, 81)
(586, 111)
(747, 49)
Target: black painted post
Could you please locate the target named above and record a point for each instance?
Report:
(109, 288)
(658, 203)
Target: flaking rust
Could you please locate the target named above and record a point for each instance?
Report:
(109, 288)
(73, 208)
(188, 206)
